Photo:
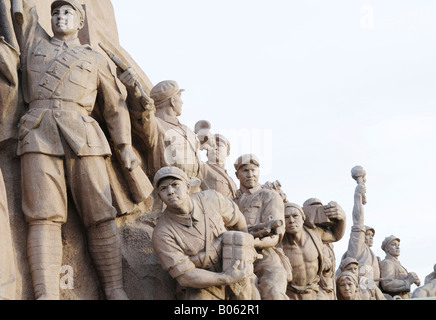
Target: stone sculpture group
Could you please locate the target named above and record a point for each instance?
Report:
(103, 178)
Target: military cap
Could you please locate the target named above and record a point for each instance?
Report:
(172, 172)
(296, 206)
(369, 228)
(164, 90)
(73, 3)
(346, 262)
(388, 240)
(348, 274)
(246, 159)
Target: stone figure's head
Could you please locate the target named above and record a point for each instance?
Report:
(391, 245)
(173, 186)
(347, 285)
(349, 264)
(68, 18)
(294, 218)
(219, 154)
(247, 170)
(369, 236)
(168, 94)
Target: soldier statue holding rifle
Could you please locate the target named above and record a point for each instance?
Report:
(260, 206)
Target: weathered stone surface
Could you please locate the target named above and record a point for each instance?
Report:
(143, 275)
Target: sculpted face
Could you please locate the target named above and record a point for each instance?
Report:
(248, 175)
(173, 192)
(347, 287)
(65, 21)
(353, 268)
(369, 238)
(393, 248)
(219, 154)
(177, 103)
(293, 220)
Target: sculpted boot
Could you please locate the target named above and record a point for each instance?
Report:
(105, 249)
(44, 251)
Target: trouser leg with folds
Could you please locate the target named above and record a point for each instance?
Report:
(105, 249)
(44, 250)
(45, 180)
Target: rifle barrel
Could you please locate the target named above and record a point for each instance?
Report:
(18, 11)
(113, 57)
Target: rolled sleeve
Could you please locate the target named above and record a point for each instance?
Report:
(171, 256)
(229, 210)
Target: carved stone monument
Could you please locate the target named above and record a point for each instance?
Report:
(397, 280)
(213, 173)
(303, 244)
(347, 286)
(57, 134)
(83, 132)
(428, 290)
(78, 279)
(361, 237)
(260, 205)
(188, 238)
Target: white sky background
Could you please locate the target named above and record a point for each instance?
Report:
(314, 88)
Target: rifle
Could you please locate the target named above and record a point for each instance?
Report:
(18, 11)
(139, 184)
(383, 279)
(123, 66)
(265, 229)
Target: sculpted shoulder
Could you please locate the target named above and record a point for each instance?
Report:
(100, 58)
(208, 194)
(271, 195)
(162, 225)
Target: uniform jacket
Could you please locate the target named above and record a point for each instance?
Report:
(392, 268)
(258, 205)
(61, 83)
(179, 239)
(168, 142)
(216, 178)
(359, 250)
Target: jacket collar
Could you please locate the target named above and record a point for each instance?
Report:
(187, 220)
(69, 44)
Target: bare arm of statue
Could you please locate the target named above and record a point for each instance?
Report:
(200, 278)
(357, 237)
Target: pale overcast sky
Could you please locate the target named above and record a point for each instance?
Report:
(314, 88)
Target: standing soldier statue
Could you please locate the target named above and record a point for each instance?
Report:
(62, 146)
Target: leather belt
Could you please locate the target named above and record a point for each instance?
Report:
(57, 104)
